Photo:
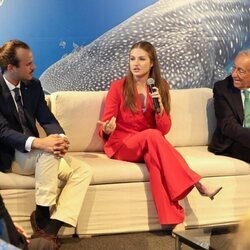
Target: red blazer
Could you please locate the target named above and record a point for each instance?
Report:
(127, 122)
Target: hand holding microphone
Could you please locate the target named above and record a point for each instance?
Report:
(155, 95)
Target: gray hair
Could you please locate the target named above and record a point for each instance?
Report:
(245, 52)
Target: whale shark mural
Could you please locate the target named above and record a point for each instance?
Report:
(195, 41)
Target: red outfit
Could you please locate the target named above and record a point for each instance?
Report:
(140, 137)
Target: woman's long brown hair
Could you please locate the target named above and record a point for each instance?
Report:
(155, 73)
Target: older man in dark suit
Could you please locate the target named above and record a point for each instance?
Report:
(232, 110)
(22, 103)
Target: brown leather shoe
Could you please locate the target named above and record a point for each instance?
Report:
(52, 238)
(41, 244)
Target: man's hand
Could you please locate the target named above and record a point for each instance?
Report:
(62, 149)
(55, 144)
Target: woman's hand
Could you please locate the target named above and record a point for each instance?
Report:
(108, 126)
(157, 95)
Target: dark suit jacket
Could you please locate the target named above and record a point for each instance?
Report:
(230, 115)
(35, 108)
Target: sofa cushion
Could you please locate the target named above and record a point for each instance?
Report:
(199, 159)
(15, 181)
(78, 113)
(208, 164)
(108, 171)
(193, 119)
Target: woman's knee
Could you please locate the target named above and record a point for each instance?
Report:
(153, 135)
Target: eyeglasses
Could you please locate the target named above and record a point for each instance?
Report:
(240, 71)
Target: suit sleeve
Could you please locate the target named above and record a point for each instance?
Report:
(10, 137)
(163, 122)
(227, 121)
(111, 108)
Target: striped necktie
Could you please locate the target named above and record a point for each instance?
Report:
(246, 109)
(21, 114)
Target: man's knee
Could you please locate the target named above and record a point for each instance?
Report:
(83, 171)
(87, 170)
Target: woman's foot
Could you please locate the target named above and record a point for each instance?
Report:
(207, 191)
(170, 228)
(178, 228)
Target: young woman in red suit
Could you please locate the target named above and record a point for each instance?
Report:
(133, 131)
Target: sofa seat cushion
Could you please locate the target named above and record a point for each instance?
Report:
(15, 181)
(107, 171)
(205, 163)
(208, 164)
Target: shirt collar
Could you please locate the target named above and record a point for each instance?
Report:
(10, 85)
(245, 89)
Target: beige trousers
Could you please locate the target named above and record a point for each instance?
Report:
(48, 171)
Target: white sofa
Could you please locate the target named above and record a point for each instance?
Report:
(119, 197)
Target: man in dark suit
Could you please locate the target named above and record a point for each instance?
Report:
(22, 103)
(232, 134)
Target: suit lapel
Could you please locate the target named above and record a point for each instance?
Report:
(236, 100)
(239, 106)
(7, 99)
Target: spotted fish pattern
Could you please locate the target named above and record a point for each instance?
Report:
(195, 41)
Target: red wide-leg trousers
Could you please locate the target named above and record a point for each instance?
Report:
(170, 177)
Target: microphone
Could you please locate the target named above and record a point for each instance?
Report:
(151, 84)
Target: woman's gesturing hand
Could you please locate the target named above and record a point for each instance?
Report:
(108, 126)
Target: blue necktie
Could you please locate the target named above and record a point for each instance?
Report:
(246, 109)
(21, 114)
